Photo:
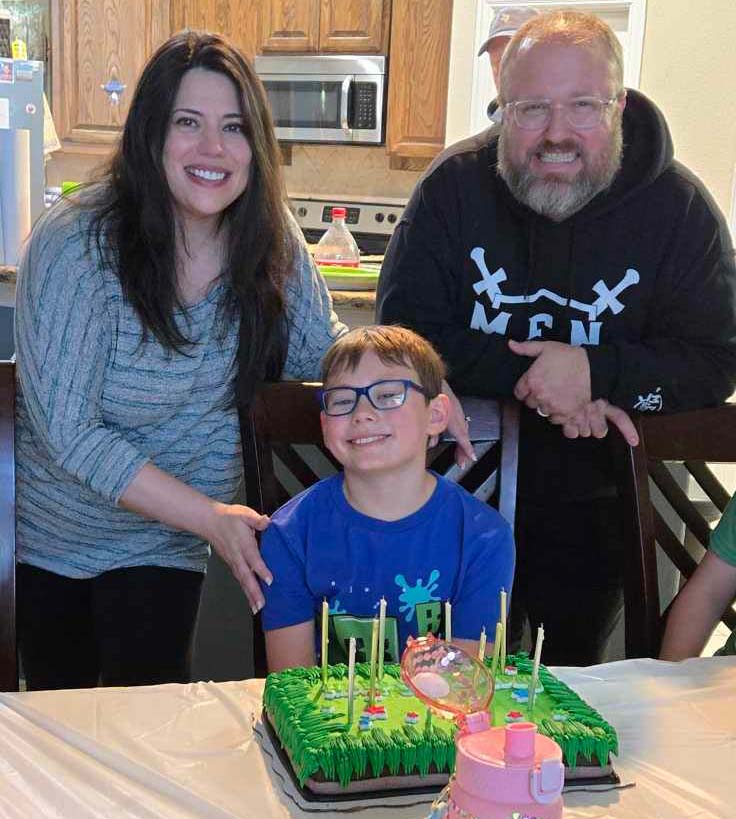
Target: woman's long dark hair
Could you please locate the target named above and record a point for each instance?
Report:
(134, 224)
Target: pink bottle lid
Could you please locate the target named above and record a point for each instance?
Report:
(513, 766)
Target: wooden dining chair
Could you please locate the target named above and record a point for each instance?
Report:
(283, 454)
(671, 447)
(8, 653)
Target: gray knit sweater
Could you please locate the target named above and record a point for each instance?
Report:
(96, 402)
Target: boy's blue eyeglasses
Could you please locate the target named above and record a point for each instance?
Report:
(383, 395)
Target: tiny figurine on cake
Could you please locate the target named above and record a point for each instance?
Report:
(375, 712)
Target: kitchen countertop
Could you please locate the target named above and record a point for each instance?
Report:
(357, 299)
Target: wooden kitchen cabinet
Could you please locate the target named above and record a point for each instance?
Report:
(354, 26)
(95, 42)
(325, 26)
(238, 20)
(290, 25)
(419, 62)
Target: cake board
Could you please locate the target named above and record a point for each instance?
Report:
(310, 801)
(415, 790)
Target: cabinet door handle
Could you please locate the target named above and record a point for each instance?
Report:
(113, 88)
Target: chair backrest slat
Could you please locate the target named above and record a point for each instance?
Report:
(708, 482)
(298, 467)
(678, 499)
(672, 546)
(729, 617)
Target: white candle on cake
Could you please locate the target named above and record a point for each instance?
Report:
(535, 667)
(496, 652)
(448, 621)
(351, 679)
(325, 639)
(502, 649)
(482, 645)
(381, 635)
(374, 652)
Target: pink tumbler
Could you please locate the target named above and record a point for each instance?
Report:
(505, 772)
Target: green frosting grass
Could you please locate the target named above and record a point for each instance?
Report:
(321, 743)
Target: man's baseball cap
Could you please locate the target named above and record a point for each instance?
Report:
(507, 22)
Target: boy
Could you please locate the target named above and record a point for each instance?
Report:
(698, 607)
(385, 527)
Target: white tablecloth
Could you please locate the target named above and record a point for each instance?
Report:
(180, 751)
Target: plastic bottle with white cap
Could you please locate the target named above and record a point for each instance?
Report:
(337, 246)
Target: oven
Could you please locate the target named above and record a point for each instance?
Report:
(371, 220)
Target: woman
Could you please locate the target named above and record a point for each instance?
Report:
(132, 303)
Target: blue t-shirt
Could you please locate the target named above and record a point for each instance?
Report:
(454, 548)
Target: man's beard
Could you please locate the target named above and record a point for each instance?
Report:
(558, 199)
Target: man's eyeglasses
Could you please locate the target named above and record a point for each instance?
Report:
(581, 112)
(383, 395)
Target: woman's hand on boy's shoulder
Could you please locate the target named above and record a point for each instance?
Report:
(232, 534)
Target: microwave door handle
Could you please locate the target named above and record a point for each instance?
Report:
(344, 97)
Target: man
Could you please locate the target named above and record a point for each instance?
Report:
(568, 260)
(505, 23)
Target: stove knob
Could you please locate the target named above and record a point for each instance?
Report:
(379, 217)
(302, 211)
(392, 218)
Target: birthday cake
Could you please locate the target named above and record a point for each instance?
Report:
(398, 743)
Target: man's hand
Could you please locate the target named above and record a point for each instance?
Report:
(558, 381)
(594, 419)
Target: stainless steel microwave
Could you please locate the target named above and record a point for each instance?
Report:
(326, 98)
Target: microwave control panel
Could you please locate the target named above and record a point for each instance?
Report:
(364, 105)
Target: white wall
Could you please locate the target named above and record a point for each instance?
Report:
(689, 70)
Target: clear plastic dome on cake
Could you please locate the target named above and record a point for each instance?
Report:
(445, 677)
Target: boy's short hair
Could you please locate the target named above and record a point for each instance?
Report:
(392, 345)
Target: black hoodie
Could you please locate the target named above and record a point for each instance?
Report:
(643, 276)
